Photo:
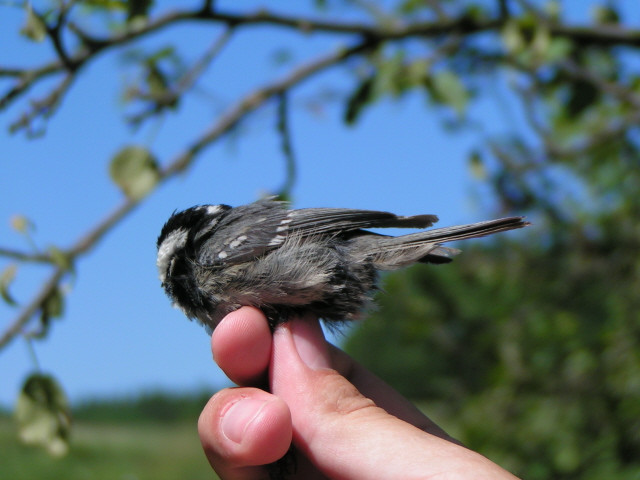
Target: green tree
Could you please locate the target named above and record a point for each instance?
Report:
(528, 354)
(542, 335)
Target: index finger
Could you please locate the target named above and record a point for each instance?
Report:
(241, 346)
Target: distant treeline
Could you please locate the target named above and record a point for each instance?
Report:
(147, 406)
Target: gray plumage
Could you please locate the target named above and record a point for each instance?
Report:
(212, 259)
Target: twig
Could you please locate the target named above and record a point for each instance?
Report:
(284, 130)
(226, 123)
(602, 137)
(44, 107)
(617, 90)
(503, 9)
(254, 100)
(186, 82)
(25, 257)
(15, 328)
(601, 34)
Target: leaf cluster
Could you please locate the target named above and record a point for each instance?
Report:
(529, 353)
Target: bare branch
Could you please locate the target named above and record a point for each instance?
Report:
(26, 80)
(11, 72)
(24, 256)
(226, 123)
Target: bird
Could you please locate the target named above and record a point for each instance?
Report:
(213, 259)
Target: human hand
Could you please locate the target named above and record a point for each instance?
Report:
(344, 422)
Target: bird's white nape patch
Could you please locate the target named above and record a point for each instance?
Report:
(210, 209)
(174, 241)
(213, 209)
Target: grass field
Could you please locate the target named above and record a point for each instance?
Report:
(114, 451)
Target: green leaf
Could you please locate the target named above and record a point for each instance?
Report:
(553, 10)
(138, 10)
(583, 95)
(6, 277)
(156, 81)
(43, 415)
(60, 258)
(116, 5)
(559, 49)
(476, 163)
(513, 38)
(360, 97)
(52, 307)
(34, 28)
(135, 170)
(541, 42)
(164, 53)
(411, 6)
(391, 75)
(450, 90)
(417, 71)
(22, 224)
(606, 14)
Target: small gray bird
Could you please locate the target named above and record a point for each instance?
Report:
(213, 259)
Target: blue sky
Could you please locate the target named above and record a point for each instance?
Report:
(119, 334)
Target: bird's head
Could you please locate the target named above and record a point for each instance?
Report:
(178, 245)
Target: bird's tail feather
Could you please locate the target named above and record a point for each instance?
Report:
(461, 232)
(389, 253)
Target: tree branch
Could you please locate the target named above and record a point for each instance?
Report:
(369, 35)
(286, 145)
(223, 125)
(160, 102)
(25, 257)
(616, 90)
(254, 100)
(44, 107)
(16, 327)
(601, 34)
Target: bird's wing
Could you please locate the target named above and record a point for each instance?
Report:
(317, 221)
(237, 240)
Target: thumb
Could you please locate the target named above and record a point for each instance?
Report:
(343, 433)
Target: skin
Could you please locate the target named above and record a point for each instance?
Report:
(345, 423)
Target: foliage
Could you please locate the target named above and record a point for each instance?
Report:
(151, 435)
(117, 449)
(147, 407)
(43, 415)
(135, 171)
(528, 354)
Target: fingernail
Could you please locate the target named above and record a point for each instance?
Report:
(239, 416)
(310, 343)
